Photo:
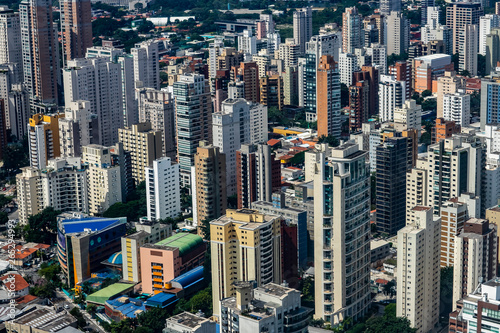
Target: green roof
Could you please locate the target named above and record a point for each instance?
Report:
(184, 241)
(101, 296)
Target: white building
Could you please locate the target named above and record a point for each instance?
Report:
(19, 110)
(104, 177)
(408, 117)
(163, 189)
(348, 63)
(157, 107)
(486, 23)
(328, 43)
(341, 232)
(129, 108)
(378, 54)
(456, 107)
(238, 122)
(469, 49)
(391, 95)
(269, 308)
(302, 27)
(397, 30)
(289, 53)
(75, 128)
(10, 36)
(187, 322)
(418, 270)
(146, 64)
(247, 43)
(98, 81)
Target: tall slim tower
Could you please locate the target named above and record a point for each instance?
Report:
(388, 6)
(469, 48)
(302, 27)
(328, 91)
(76, 27)
(341, 233)
(352, 25)
(10, 37)
(40, 50)
(458, 14)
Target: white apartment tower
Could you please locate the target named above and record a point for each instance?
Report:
(391, 95)
(397, 28)
(418, 270)
(157, 107)
(341, 233)
(289, 53)
(352, 25)
(10, 37)
(302, 27)
(98, 81)
(247, 43)
(163, 189)
(408, 117)
(75, 128)
(348, 63)
(469, 45)
(456, 107)
(486, 23)
(146, 64)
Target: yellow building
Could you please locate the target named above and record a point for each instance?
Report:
(43, 139)
(493, 215)
(144, 145)
(246, 246)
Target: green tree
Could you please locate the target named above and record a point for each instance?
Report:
(50, 272)
(145, 27)
(42, 227)
(426, 93)
(308, 289)
(344, 95)
(202, 301)
(15, 156)
(153, 319)
(4, 218)
(330, 139)
(465, 73)
(446, 291)
(389, 323)
(91, 308)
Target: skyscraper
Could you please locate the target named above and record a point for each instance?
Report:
(458, 14)
(209, 183)
(398, 28)
(486, 23)
(40, 50)
(424, 4)
(76, 27)
(10, 37)
(388, 6)
(456, 107)
(302, 27)
(328, 91)
(43, 138)
(391, 95)
(146, 64)
(490, 106)
(469, 43)
(193, 109)
(447, 84)
(393, 161)
(341, 251)
(492, 50)
(352, 25)
(418, 270)
(97, 80)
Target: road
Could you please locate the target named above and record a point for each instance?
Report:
(63, 300)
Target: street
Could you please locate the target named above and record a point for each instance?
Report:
(63, 300)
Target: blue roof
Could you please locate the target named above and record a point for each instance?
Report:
(127, 309)
(94, 223)
(188, 278)
(116, 258)
(162, 300)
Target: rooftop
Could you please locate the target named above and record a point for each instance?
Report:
(46, 319)
(187, 319)
(101, 296)
(93, 224)
(185, 242)
(274, 289)
(19, 282)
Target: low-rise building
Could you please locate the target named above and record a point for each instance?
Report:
(187, 322)
(40, 319)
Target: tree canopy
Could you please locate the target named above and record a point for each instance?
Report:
(389, 323)
(42, 227)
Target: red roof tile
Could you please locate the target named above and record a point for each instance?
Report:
(20, 283)
(273, 142)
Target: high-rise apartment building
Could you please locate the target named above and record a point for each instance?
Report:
(258, 174)
(428, 69)
(104, 176)
(302, 27)
(40, 50)
(456, 108)
(99, 81)
(475, 255)
(401, 71)
(352, 25)
(449, 83)
(454, 213)
(469, 48)
(146, 64)
(144, 145)
(424, 6)
(341, 229)
(19, 110)
(157, 107)
(490, 106)
(388, 6)
(359, 101)
(271, 91)
(193, 110)
(393, 161)
(163, 189)
(459, 14)
(486, 23)
(492, 50)
(10, 37)
(75, 129)
(398, 28)
(257, 239)
(208, 183)
(76, 27)
(444, 130)
(289, 53)
(348, 64)
(238, 122)
(328, 92)
(43, 139)
(391, 95)
(418, 270)
(408, 117)
(493, 216)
